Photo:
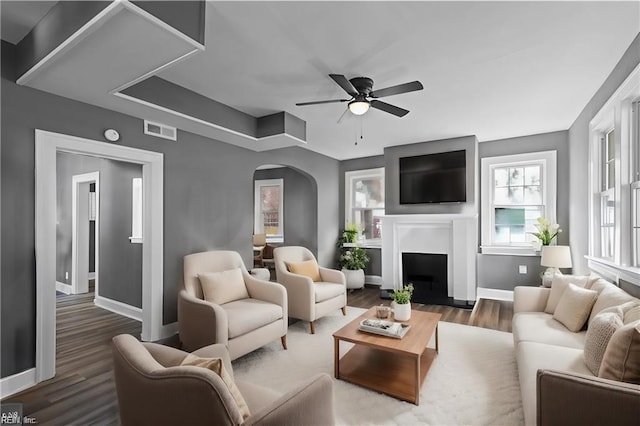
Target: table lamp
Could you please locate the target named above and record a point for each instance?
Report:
(554, 257)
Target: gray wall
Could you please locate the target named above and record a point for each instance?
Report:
(392, 157)
(208, 199)
(579, 152)
(500, 271)
(300, 206)
(120, 261)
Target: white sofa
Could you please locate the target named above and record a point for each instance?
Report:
(542, 343)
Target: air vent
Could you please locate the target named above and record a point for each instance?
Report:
(160, 130)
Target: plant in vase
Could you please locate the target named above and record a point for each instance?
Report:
(350, 233)
(352, 262)
(546, 233)
(402, 303)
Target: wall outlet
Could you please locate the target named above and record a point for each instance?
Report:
(522, 269)
(66, 275)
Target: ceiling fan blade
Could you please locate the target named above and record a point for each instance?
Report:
(322, 102)
(345, 84)
(396, 90)
(391, 109)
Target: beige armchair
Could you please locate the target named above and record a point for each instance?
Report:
(309, 299)
(154, 389)
(242, 325)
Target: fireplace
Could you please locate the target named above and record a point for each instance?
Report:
(427, 272)
(452, 235)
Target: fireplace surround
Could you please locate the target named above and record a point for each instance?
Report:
(455, 235)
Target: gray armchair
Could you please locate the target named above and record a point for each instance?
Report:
(242, 325)
(154, 389)
(308, 299)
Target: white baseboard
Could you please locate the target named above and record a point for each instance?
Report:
(63, 288)
(493, 293)
(17, 382)
(118, 308)
(169, 330)
(92, 275)
(373, 280)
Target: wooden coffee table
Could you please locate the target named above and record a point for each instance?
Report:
(396, 367)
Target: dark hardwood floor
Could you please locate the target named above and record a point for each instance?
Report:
(83, 390)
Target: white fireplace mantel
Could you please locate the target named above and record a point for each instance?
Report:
(455, 235)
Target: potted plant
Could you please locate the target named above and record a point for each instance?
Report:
(546, 233)
(352, 262)
(402, 303)
(350, 233)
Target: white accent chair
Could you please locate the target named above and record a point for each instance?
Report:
(309, 300)
(241, 325)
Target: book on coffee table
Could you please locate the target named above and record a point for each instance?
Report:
(384, 328)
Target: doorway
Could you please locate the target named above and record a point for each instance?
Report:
(85, 210)
(47, 144)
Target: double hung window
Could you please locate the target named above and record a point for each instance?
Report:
(364, 201)
(268, 205)
(516, 190)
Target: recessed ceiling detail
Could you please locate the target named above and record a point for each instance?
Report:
(112, 60)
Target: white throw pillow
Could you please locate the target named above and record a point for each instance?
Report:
(610, 295)
(558, 286)
(598, 335)
(574, 307)
(223, 287)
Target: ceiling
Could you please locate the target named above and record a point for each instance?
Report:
(492, 69)
(19, 17)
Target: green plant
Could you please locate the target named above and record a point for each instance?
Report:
(403, 296)
(350, 233)
(354, 258)
(546, 231)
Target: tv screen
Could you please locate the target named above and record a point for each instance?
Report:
(434, 178)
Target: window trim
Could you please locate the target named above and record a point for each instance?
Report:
(617, 113)
(548, 160)
(258, 225)
(349, 177)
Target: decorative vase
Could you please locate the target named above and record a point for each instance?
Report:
(401, 312)
(355, 278)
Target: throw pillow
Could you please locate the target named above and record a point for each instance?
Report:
(621, 360)
(308, 268)
(223, 287)
(217, 366)
(632, 314)
(558, 286)
(574, 307)
(598, 335)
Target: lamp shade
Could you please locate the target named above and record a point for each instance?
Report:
(556, 257)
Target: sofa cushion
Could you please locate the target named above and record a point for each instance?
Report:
(217, 366)
(531, 357)
(575, 306)
(598, 335)
(223, 287)
(542, 328)
(325, 291)
(610, 295)
(558, 286)
(308, 268)
(622, 358)
(246, 315)
(632, 314)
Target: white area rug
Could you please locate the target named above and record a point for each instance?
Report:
(473, 380)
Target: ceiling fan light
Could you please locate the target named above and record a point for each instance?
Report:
(358, 107)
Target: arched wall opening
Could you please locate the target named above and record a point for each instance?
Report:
(299, 203)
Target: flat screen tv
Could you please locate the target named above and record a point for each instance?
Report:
(434, 178)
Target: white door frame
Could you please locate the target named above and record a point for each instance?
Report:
(47, 144)
(78, 238)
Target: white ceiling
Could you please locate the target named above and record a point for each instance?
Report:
(493, 69)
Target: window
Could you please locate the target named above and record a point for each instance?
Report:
(614, 234)
(364, 200)
(268, 214)
(136, 210)
(516, 190)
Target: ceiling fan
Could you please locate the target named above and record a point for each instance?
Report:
(361, 89)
